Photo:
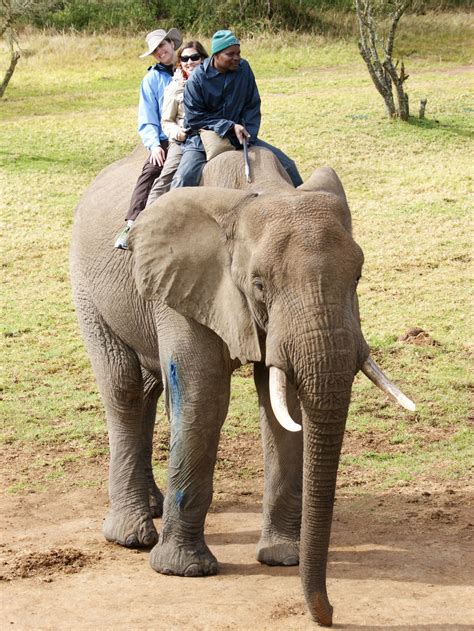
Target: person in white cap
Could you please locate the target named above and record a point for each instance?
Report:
(190, 56)
(162, 45)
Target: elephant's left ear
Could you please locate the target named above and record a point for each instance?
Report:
(181, 256)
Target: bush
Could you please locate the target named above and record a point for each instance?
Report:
(203, 16)
(93, 16)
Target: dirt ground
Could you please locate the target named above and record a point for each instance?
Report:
(399, 560)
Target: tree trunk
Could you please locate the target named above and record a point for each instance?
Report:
(403, 111)
(15, 56)
(421, 112)
(379, 79)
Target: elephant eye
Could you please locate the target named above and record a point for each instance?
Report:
(258, 284)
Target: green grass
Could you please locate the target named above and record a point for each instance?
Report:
(441, 461)
(70, 110)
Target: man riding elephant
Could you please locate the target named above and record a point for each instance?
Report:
(222, 97)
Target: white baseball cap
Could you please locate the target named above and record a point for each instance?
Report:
(154, 39)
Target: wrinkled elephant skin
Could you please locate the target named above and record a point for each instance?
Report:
(216, 276)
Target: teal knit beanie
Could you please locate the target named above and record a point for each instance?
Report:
(221, 40)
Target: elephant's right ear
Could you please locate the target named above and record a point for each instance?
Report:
(181, 254)
(325, 180)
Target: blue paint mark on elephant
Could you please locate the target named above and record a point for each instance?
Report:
(175, 390)
(179, 499)
(175, 396)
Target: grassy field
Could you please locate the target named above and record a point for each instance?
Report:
(71, 109)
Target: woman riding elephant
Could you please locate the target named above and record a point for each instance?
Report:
(162, 46)
(190, 56)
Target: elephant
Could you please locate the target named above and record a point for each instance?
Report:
(218, 276)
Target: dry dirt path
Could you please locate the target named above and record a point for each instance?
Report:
(398, 561)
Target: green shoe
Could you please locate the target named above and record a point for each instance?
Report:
(121, 242)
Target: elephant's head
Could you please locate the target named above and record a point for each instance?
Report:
(275, 275)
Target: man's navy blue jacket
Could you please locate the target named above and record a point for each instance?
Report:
(217, 101)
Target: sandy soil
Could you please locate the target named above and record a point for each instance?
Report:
(400, 560)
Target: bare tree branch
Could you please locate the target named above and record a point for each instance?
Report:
(368, 35)
(399, 11)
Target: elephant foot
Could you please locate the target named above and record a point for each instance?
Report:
(183, 559)
(155, 498)
(130, 529)
(276, 551)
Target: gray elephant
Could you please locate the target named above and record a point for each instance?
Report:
(215, 277)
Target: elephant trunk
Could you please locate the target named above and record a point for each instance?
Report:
(323, 433)
(325, 396)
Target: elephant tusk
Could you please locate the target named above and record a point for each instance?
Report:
(373, 372)
(278, 400)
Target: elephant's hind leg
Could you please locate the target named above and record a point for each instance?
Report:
(152, 390)
(283, 461)
(118, 373)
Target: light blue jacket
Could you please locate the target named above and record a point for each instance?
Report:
(151, 104)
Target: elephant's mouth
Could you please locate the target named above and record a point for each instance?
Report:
(370, 370)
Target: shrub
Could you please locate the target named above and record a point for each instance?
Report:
(203, 16)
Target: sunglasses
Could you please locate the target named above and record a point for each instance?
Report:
(193, 57)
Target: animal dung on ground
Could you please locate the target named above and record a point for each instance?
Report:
(419, 337)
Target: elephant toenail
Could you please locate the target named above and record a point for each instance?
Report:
(291, 561)
(131, 541)
(150, 539)
(192, 570)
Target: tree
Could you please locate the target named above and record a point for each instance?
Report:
(11, 12)
(372, 45)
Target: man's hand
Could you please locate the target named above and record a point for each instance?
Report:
(157, 156)
(241, 133)
(180, 136)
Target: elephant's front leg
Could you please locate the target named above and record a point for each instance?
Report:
(197, 377)
(283, 461)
